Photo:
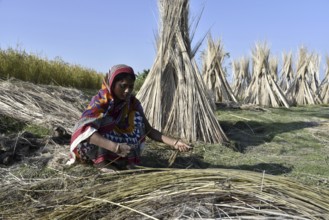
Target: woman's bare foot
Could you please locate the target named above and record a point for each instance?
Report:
(106, 167)
(131, 166)
(107, 170)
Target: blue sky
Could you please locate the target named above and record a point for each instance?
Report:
(100, 33)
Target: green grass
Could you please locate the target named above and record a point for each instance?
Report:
(10, 125)
(37, 130)
(291, 142)
(288, 142)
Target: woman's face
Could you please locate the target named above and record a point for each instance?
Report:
(123, 88)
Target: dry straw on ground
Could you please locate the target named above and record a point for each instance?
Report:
(51, 106)
(164, 194)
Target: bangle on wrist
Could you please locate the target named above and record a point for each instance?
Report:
(117, 148)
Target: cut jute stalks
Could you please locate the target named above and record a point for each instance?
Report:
(263, 89)
(173, 95)
(45, 105)
(303, 90)
(213, 72)
(165, 194)
(324, 86)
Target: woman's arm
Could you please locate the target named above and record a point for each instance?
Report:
(158, 136)
(119, 148)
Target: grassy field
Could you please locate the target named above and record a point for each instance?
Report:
(271, 143)
(290, 142)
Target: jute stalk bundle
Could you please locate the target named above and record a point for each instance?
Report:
(263, 89)
(213, 73)
(273, 64)
(313, 70)
(300, 91)
(324, 86)
(165, 194)
(236, 75)
(287, 73)
(51, 106)
(242, 77)
(173, 95)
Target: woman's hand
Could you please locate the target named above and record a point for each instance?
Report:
(122, 149)
(181, 146)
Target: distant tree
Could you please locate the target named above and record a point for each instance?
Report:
(140, 79)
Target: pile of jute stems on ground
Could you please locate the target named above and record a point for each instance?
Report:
(52, 106)
(163, 194)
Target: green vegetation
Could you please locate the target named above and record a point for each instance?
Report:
(284, 142)
(37, 130)
(10, 125)
(291, 142)
(140, 80)
(28, 67)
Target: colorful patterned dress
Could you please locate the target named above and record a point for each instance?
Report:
(120, 123)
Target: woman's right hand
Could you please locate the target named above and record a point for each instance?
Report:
(122, 149)
(181, 146)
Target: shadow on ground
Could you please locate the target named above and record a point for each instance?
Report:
(154, 160)
(252, 133)
(16, 147)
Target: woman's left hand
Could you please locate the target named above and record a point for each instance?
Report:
(123, 149)
(181, 146)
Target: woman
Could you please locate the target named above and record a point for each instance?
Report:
(111, 131)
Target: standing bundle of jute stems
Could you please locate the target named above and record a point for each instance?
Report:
(263, 89)
(287, 74)
(213, 72)
(241, 78)
(173, 95)
(273, 65)
(324, 86)
(313, 70)
(303, 90)
(167, 194)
